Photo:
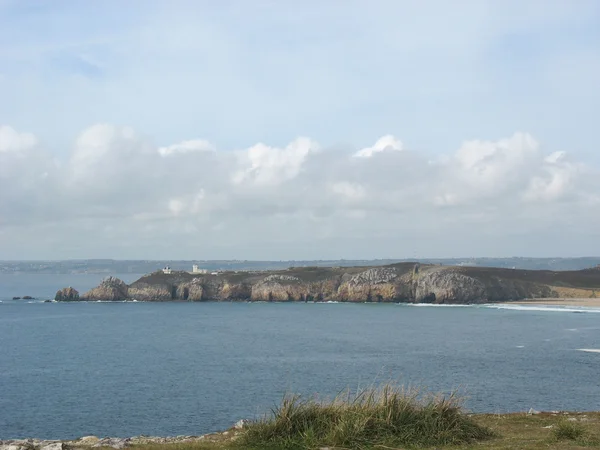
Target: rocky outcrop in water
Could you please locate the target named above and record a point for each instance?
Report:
(110, 289)
(404, 282)
(67, 294)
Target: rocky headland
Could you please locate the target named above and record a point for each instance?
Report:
(399, 283)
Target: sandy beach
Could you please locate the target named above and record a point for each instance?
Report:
(586, 302)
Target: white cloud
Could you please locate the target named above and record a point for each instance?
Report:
(350, 191)
(383, 144)
(14, 142)
(194, 145)
(116, 186)
(264, 165)
(556, 179)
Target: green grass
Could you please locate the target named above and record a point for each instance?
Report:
(567, 430)
(574, 431)
(509, 432)
(387, 416)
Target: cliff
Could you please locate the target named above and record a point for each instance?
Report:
(403, 282)
(111, 289)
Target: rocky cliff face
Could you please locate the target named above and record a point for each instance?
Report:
(395, 283)
(110, 289)
(67, 294)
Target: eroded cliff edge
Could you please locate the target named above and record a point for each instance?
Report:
(404, 282)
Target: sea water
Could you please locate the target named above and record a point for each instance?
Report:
(124, 369)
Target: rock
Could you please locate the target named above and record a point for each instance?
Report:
(16, 298)
(18, 444)
(28, 297)
(11, 447)
(54, 446)
(88, 440)
(117, 443)
(67, 294)
(241, 424)
(111, 289)
(192, 291)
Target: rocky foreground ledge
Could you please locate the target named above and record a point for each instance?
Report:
(400, 283)
(90, 442)
(93, 442)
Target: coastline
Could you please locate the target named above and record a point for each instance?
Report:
(395, 283)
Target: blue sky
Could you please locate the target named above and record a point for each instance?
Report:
(237, 72)
(433, 74)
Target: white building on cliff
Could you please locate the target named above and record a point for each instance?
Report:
(196, 269)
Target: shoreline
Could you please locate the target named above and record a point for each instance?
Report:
(579, 302)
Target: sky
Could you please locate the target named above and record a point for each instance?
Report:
(278, 129)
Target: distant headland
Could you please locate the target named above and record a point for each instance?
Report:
(405, 282)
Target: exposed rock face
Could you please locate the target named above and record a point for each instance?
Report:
(191, 291)
(67, 294)
(405, 282)
(150, 293)
(448, 286)
(373, 285)
(110, 289)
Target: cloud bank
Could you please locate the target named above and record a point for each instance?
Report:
(119, 195)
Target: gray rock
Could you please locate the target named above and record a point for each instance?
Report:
(241, 424)
(67, 294)
(20, 444)
(117, 443)
(110, 289)
(54, 446)
(11, 447)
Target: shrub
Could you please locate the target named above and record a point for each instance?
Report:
(387, 415)
(567, 430)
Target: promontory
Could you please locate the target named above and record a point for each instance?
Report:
(399, 283)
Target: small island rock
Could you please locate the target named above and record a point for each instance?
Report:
(111, 289)
(67, 294)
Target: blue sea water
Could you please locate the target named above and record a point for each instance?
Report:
(124, 369)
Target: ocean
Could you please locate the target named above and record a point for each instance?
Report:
(125, 369)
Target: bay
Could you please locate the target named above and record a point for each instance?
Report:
(124, 369)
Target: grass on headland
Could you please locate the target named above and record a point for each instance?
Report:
(387, 416)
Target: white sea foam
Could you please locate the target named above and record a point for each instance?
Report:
(589, 350)
(435, 305)
(520, 346)
(544, 308)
